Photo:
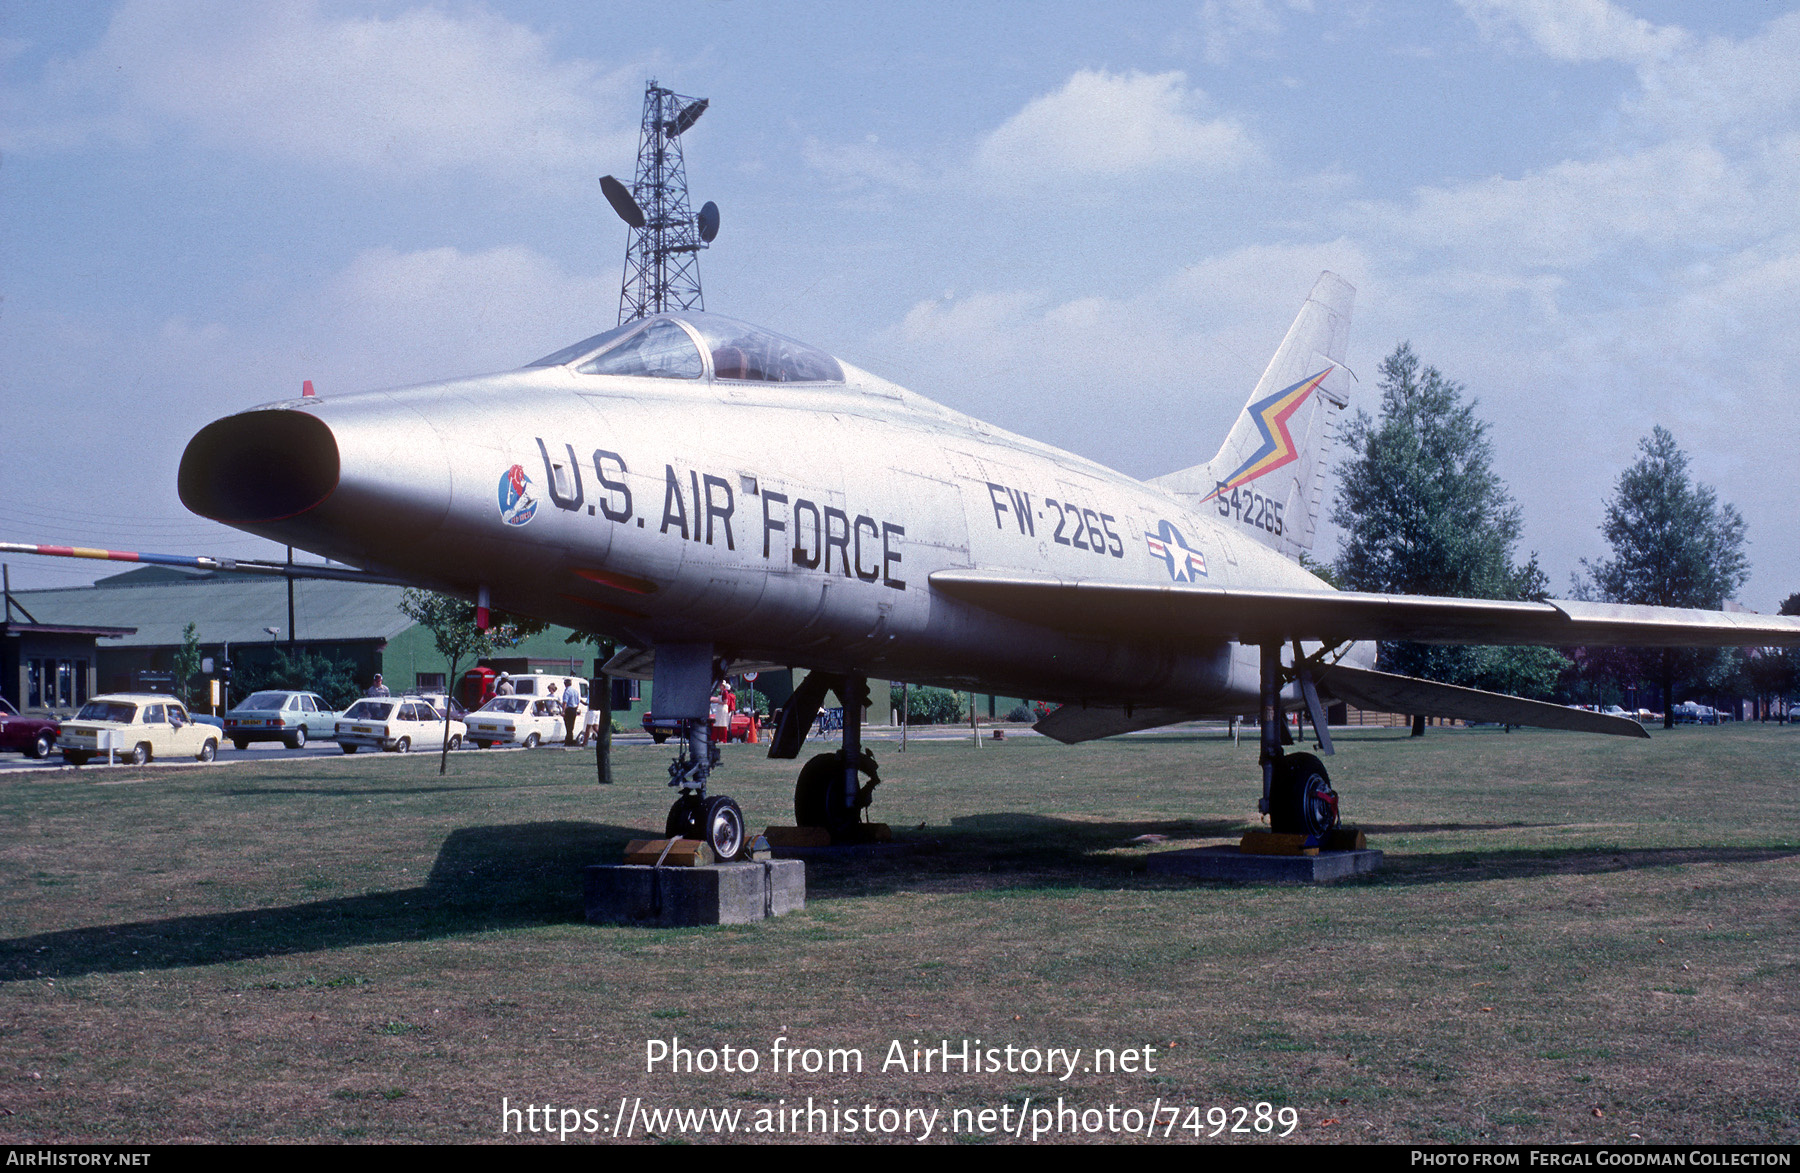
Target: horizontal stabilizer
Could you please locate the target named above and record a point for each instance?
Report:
(1387, 693)
(1197, 616)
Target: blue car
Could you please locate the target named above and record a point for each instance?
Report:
(292, 718)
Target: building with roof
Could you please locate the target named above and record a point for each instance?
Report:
(59, 646)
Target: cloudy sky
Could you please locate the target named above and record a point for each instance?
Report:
(1090, 224)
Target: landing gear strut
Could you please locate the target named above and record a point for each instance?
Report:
(686, 675)
(718, 821)
(1297, 794)
(830, 792)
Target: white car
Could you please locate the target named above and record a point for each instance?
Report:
(517, 720)
(140, 726)
(396, 723)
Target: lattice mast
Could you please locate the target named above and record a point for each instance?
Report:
(662, 269)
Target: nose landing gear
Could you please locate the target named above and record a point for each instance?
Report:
(717, 821)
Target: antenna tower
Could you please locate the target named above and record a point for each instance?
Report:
(662, 268)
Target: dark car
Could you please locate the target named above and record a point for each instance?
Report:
(34, 737)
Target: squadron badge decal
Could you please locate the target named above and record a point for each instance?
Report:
(517, 504)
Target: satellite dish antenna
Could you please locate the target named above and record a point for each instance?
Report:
(689, 115)
(709, 221)
(621, 201)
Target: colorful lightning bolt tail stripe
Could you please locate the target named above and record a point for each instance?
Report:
(1277, 448)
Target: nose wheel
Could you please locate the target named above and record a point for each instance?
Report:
(717, 821)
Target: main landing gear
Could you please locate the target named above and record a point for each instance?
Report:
(1297, 794)
(831, 792)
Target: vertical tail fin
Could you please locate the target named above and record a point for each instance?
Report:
(1269, 475)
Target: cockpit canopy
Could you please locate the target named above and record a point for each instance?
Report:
(693, 345)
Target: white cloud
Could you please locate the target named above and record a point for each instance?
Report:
(1184, 353)
(394, 317)
(1736, 89)
(1117, 125)
(1579, 30)
(863, 164)
(421, 91)
(1674, 195)
(1226, 24)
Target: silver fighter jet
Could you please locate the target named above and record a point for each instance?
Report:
(716, 496)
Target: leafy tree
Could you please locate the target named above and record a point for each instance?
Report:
(335, 680)
(187, 662)
(1423, 513)
(452, 625)
(1673, 545)
(930, 706)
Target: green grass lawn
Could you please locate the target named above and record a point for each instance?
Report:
(1574, 939)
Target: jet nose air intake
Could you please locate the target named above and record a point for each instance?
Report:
(261, 466)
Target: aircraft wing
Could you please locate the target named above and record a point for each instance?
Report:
(1204, 615)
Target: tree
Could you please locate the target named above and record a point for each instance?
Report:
(1673, 545)
(335, 680)
(187, 662)
(451, 622)
(600, 697)
(1423, 513)
(452, 625)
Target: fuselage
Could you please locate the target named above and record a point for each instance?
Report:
(786, 522)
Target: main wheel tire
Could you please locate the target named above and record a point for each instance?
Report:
(298, 740)
(1304, 802)
(140, 754)
(684, 821)
(209, 751)
(240, 743)
(455, 742)
(404, 745)
(349, 748)
(722, 826)
(531, 741)
(819, 791)
(41, 747)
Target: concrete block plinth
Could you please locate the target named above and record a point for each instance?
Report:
(1228, 863)
(719, 894)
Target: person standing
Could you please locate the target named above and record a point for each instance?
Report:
(378, 688)
(571, 706)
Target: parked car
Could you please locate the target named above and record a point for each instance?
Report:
(292, 718)
(149, 725)
(437, 701)
(1693, 713)
(34, 737)
(740, 729)
(517, 720)
(396, 724)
